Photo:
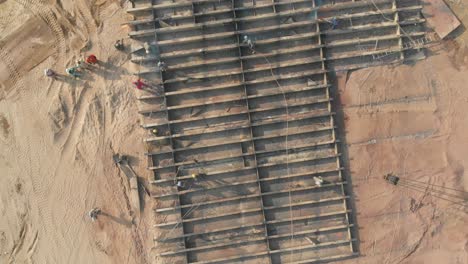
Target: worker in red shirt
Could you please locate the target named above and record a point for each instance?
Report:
(139, 84)
(143, 86)
(91, 59)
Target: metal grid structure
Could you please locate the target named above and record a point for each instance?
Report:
(256, 123)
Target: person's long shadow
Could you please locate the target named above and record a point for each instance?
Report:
(119, 220)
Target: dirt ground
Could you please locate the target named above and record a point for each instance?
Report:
(57, 138)
(410, 120)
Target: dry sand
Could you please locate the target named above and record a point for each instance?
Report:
(57, 139)
(409, 120)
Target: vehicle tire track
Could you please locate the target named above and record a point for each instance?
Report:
(47, 15)
(13, 73)
(77, 122)
(25, 154)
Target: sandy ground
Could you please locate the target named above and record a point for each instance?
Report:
(57, 138)
(410, 120)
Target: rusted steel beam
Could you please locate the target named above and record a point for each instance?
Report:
(248, 196)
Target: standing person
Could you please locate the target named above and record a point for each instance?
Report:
(162, 66)
(93, 214)
(318, 181)
(334, 23)
(50, 73)
(80, 63)
(247, 40)
(139, 84)
(147, 47)
(73, 71)
(119, 44)
(195, 176)
(91, 59)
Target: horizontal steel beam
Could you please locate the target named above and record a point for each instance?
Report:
(206, 102)
(287, 63)
(286, 89)
(240, 124)
(258, 166)
(234, 125)
(234, 242)
(223, 22)
(272, 237)
(234, 45)
(264, 253)
(195, 2)
(292, 149)
(283, 64)
(258, 210)
(339, 43)
(258, 138)
(248, 196)
(296, 175)
(232, 171)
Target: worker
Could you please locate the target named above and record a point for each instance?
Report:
(93, 214)
(119, 44)
(313, 240)
(73, 71)
(181, 186)
(80, 63)
(91, 59)
(162, 66)
(318, 181)
(139, 84)
(392, 179)
(50, 73)
(249, 42)
(147, 47)
(154, 131)
(334, 23)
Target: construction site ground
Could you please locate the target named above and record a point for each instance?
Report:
(58, 138)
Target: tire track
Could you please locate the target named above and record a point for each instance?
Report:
(13, 72)
(25, 154)
(77, 122)
(40, 10)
